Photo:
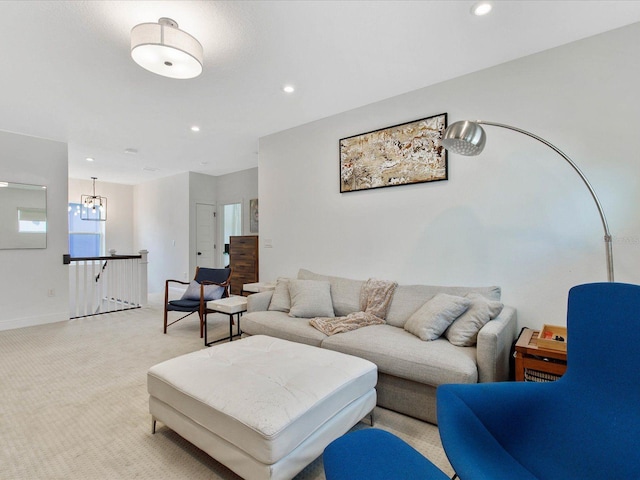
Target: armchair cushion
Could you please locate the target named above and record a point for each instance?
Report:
(211, 292)
(183, 305)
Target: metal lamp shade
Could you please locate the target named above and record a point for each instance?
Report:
(465, 138)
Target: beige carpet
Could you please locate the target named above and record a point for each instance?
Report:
(73, 403)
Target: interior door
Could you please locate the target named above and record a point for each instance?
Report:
(205, 235)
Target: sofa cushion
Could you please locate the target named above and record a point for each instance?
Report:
(432, 319)
(345, 293)
(397, 352)
(281, 299)
(409, 298)
(310, 298)
(464, 330)
(280, 325)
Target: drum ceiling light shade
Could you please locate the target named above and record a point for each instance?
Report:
(468, 138)
(164, 49)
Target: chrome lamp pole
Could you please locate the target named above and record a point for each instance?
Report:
(468, 138)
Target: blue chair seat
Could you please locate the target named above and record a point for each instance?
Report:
(375, 454)
(183, 305)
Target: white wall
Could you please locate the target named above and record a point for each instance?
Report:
(26, 276)
(202, 189)
(161, 225)
(239, 187)
(165, 218)
(517, 216)
(119, 225)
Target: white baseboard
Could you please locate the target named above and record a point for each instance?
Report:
(12, 323)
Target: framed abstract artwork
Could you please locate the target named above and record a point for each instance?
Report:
(253, 215)
(398, 155)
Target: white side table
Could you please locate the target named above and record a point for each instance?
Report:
(234, 305)
(258, 287)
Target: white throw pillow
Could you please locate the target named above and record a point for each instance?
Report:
(211, 292)
(281, 300)
(432, 319)
(463, 332)
(310, 298)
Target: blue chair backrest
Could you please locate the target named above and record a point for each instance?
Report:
(603, 344)
(217, 275)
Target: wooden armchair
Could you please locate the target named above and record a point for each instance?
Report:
(208, 284)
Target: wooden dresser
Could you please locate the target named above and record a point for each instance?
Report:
(243, 260)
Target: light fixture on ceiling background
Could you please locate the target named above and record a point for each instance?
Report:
(480, 9)
(94, 207)
(468, 138)
(164, 49)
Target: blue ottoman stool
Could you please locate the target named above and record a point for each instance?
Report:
(375, 454)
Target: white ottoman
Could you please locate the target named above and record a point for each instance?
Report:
(262, 406)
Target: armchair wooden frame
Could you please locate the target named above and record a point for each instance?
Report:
(200, 307)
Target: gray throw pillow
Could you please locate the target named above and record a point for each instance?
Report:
(280, 299)
(211, 292)
(463, 332)
(432, 319)
(310, 298)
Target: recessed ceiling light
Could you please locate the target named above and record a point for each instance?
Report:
(131, 151)
(288, 89)
(195, 128)
(204, 163)
(150, 169)
(481, 8)
(90, 159)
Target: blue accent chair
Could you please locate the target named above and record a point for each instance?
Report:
(584, 426)
(204, 276)
(375, 454)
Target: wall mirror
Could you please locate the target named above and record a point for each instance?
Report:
(23, 216)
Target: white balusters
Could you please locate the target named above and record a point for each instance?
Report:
(107, 284)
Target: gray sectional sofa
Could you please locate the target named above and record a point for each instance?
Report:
(409, 369)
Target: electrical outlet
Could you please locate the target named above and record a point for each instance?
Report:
(51, 292)
(268, 243)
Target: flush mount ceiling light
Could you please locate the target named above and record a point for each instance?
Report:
(288, 89)
(164, 49)
(481, 8)
(195, 128)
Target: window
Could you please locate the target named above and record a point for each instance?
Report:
(86, 237)
(32, 220)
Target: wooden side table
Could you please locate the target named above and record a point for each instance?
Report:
(537, 364)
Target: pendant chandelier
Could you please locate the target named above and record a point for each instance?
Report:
(94, 207)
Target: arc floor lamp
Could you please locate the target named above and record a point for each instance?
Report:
(468, 138)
